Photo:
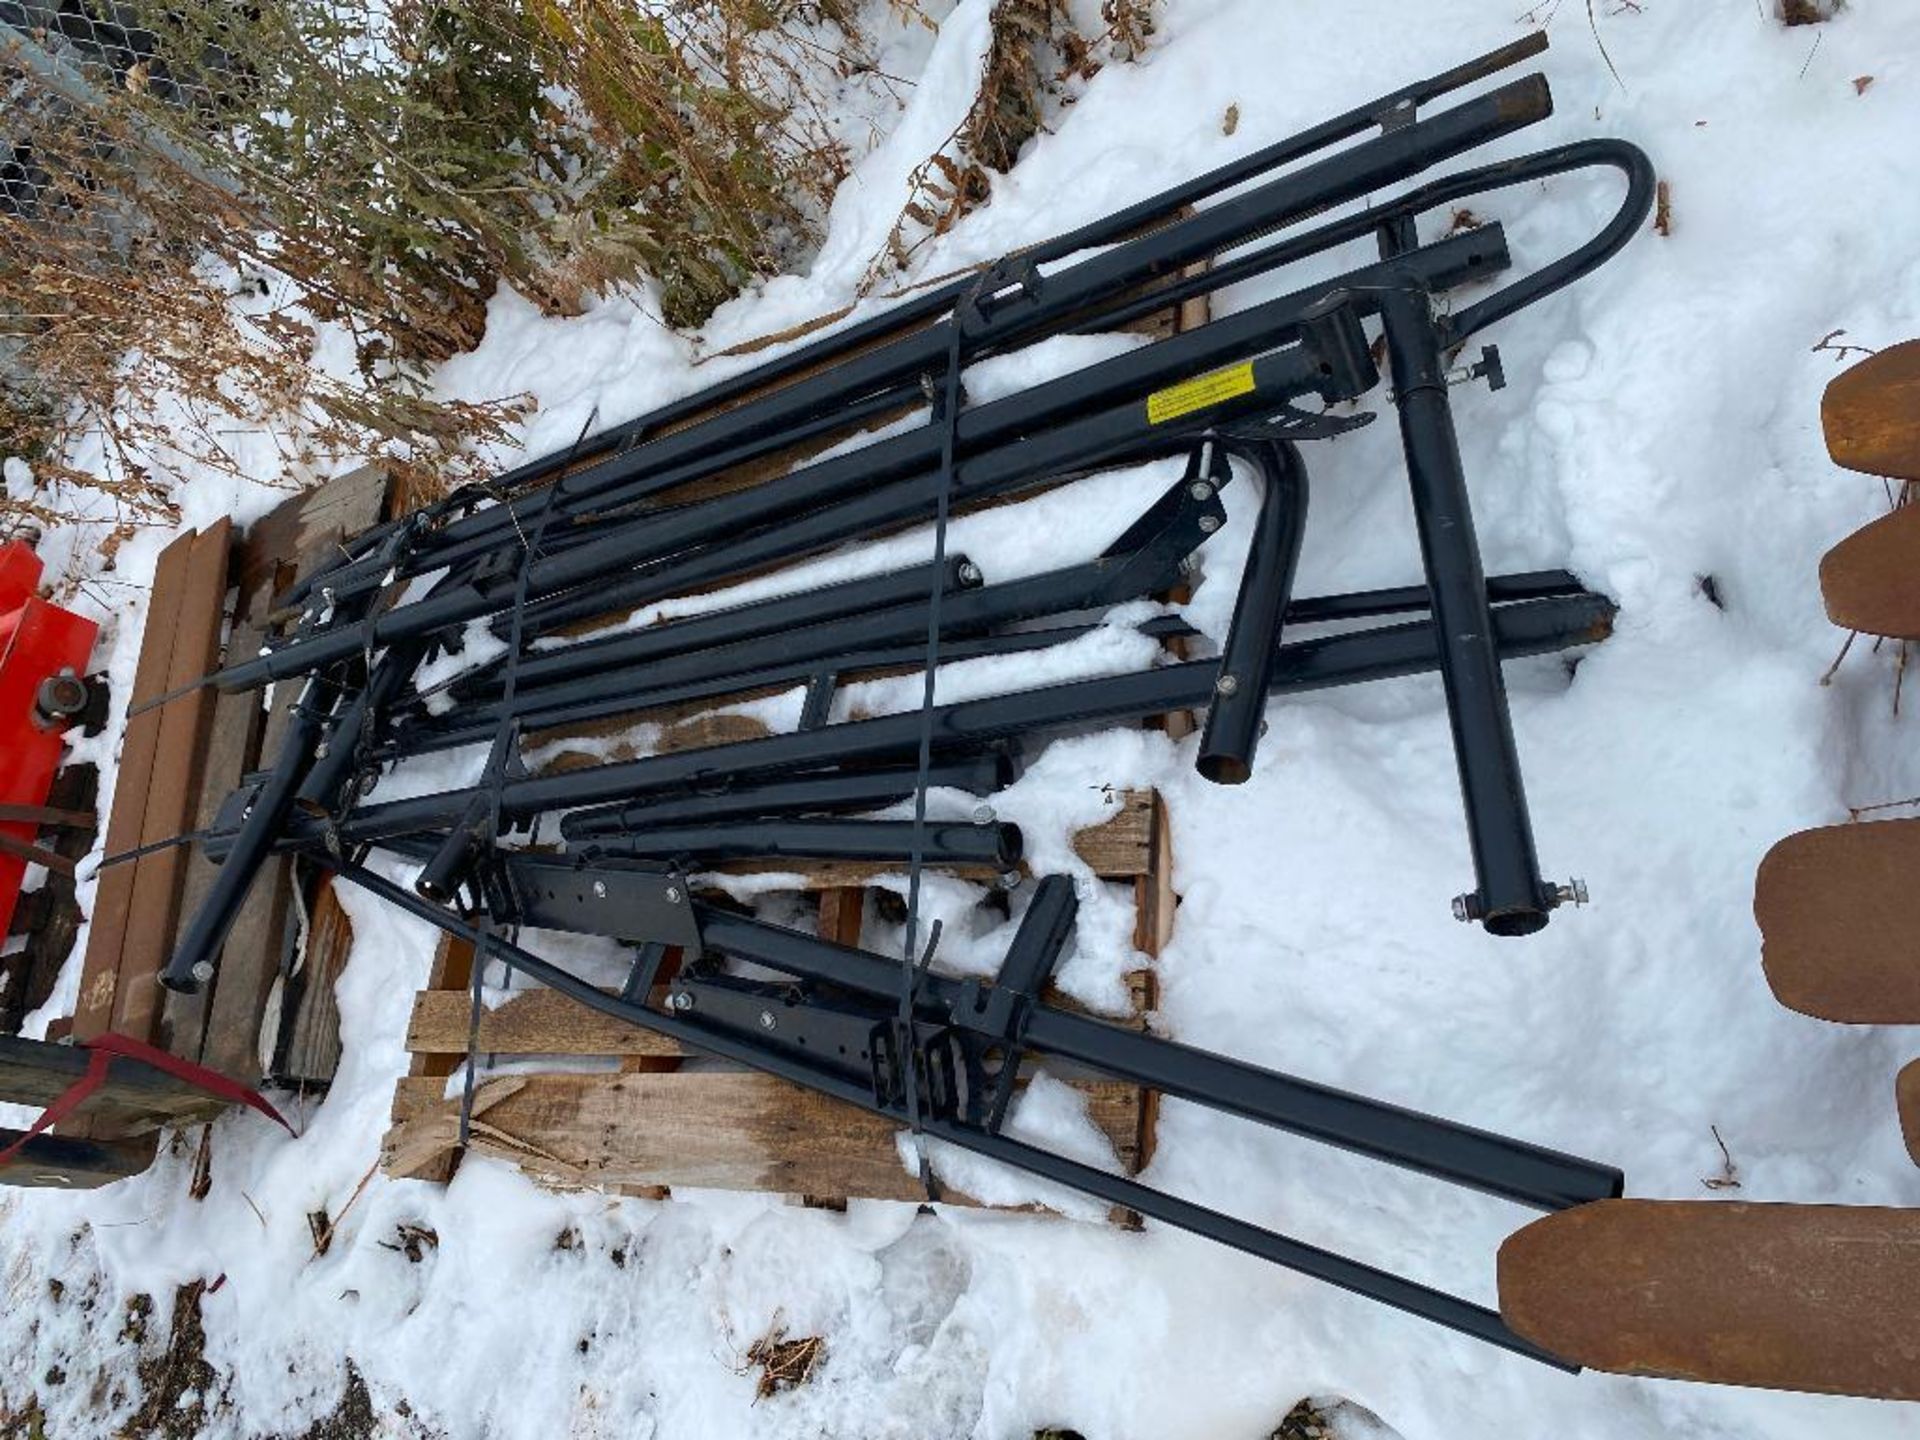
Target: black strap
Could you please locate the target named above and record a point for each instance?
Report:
(505, 751)
(914, 962)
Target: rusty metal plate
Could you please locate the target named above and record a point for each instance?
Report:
(1871, 414)
(1906, 1090)
(1824, 1298)
(1871, 579)
(1839, 915)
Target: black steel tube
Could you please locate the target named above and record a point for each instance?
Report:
(1239, 705)
(195, 953)
(1023, 451)
(1096, 440)
(1459, 1154)
(630, 692)
(1405, 599)
(836, 793)
(451, 862)
(1063, 403)
(714, 629)
(577, 702)
(1375, 1284)
(885, 841)
(1382, 653)
(1253, 1240)
(1095, 584)
(1510, 898)
(1401, 211)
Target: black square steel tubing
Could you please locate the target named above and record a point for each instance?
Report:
(1477, 1159)
(830, 793)
(1524, 628)
(569, 691)
(1054, 429)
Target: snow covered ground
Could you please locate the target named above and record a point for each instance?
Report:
(1661, 426)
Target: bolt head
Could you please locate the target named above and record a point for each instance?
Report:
(203, 971)
(671, 895)
(599, 889)
(1574, 893)
(1209, 524)
(1010, 879)
(1201, 490)
(969, 573)
(767, 1022)
(983, 815)
(680, 1000)
(1226, 685)
(1462, 909)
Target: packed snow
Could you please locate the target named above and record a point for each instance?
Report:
(1660, 428)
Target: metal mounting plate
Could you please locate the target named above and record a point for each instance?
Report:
(627, 900)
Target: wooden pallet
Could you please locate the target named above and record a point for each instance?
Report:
(647, 1121)
(269, 1012)
(211, 597)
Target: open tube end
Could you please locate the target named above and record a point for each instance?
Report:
(1224, 769)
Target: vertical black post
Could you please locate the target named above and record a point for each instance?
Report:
(1511, 898)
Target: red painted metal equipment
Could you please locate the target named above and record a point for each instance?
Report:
(44, 652)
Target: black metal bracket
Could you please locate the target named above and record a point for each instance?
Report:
(622, 899)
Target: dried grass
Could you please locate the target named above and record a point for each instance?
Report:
(383, 168)
(1034, 51)
(783, 1364)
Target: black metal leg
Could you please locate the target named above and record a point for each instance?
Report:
(1510, 898)
(1239, 701)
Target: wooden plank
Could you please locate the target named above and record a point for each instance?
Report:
(1121, 848)
(233, 747)
(153, 907)
(717, 1130)
(451, 972)
(306, 1047)
(536, 1022)
(134, 1096)
(59, 1162)
(1154, 906)
(309, 527)
(842, 912)
(100, 971)
(309, 1052)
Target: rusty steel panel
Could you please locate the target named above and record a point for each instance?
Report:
(1839, 916)
(1871, 414)
(1823, 1298)
(1871, 579)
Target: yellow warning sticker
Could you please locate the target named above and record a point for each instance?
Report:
(1199, 393)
